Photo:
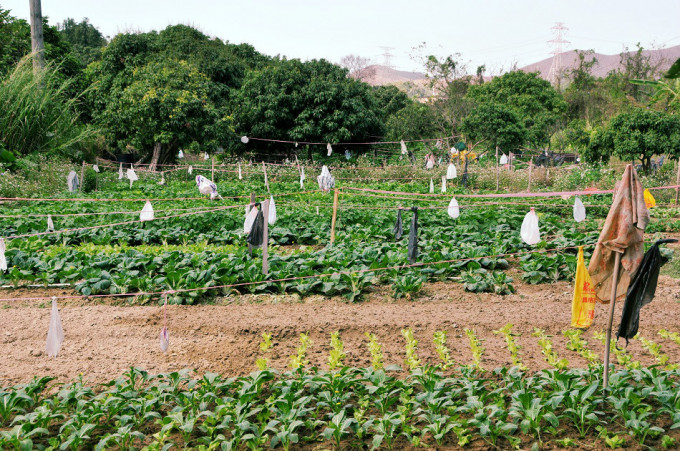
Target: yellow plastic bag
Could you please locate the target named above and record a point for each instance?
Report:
(649, 199)
(583, 304)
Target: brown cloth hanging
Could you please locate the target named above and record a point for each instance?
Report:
(621, 232)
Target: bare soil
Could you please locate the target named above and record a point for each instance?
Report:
(102, 341)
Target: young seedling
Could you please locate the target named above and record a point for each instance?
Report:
(656, 351)
(265, 346)
(442, 350)
(337, 353)
(412, 360)
(376, 351)
(476, 349)
(512, 345)
(551, 356)
(299, 360)
(674, 336)
(624, 359)
(580, 345)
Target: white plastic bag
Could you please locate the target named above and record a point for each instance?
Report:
(244, 139)
(3, 259)
(206, 187)
(454, 209)
(72, 181)
(162, 182)
(50, 224)
(165, 339)
(240, 177)
(529, 231)
(443, 183)
(120, 172)
(451, 172)
(329, 149)
(132, 176)
(347, 155)
(147, 212)
(250, 220)
(95, 168)
(205, 156)
(272, 211)
(191, 169)
(431, 186)
(429, 164)
(55, 333)
(503, 160)
(180, 154)
(579, 210)
(326, 180)
(404, 151)
(302, 177)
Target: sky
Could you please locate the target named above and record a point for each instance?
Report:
(497, 33)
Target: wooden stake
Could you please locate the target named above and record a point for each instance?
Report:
(265, 238)
(496, 168)
(37, 40)
(531, 168)
(82, 176)
(212, 172)
(266, 181)
(677, 182)
(612, 302)
(335, 214)
(252, 201)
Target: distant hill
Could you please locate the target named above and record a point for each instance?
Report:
(605, 63)
(384, 75)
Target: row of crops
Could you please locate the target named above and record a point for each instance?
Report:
(368, 408)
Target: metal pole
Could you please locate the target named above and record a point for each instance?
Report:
(612, 302)
(335, 214)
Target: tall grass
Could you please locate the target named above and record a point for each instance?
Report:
(38, 116)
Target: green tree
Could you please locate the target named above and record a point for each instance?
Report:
(415, 121)
(86, 39)
(536, 103)
(496, 125)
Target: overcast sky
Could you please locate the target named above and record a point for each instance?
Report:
(496, 33)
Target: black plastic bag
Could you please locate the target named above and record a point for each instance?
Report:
(256, 235)
(641, 290)
(413, 237)
(398, 227)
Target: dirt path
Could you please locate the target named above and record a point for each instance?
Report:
(102, 341)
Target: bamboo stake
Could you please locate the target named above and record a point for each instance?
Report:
(496, 168)
(212, 172)
(531, 168)
(677, 182)
(252, 201)
(612, 302)
(265, 238)
(266, 181)
(335, 214)
(82, 176)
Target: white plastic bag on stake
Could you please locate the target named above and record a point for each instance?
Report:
(50, 224)
(180, 154)
(250, 220)
(3, 259)
(431, 186)
(404, 151)
(272, 211)
(326, 180)
(120, 172)
(443, 183)
(147, 212)
(302, 177)
(579, 210)
(503, 160)
(529, 231)
(55, 333)
(95, 167)
(132, 176)
(451, 172)
(191, 169)
(454, 209)
(329, 149)
(240, 176)
(165, 336)
(205, 156)
(72, 181)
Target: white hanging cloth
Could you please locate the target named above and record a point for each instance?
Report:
(454, 209)
(180, 154)
(579, 210)
(272, 211)
(147, 212)
(95, 167)
(191, 169)
(55, 333)
(443, 184)
(240, 176)
(120, 172)
(503, 160)
(451, 172)
(431, 186)
(404, 151)
(329, 149)
(250, 220)
(131, 176)
(3, 259)
(529, 231)
(50, 224)
(72, 181)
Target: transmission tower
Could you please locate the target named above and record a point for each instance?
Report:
(556, 68)
(387, 57)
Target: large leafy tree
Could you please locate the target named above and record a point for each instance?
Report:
(310, 101)
(536, 103)
(86, 39)
(495, 125)
(637, 135)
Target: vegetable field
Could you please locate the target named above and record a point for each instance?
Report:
(339, 346)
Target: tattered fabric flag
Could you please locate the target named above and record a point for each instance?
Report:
(443, 183)
(50, 224)
(180, 154)
(398, 226)
(431, 186)
(165, 336)
(503, 160)
(240, 176)
(404, 151)
(529, 231)
(72, 181)
(191, 169)
(95, 168)
(413, 237)
(55, 333)
(132, 176)
(244, 139)
(650, 202)
(329, 149)
(454, 209)
(256, 235)
(205, 156)
(579, 210)
(120, 172)
(147, 212)
(326, 180)
(347, 155)
(266, 181)
(451, 172)
(3, 259)
(272, 211)
(251, 214)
